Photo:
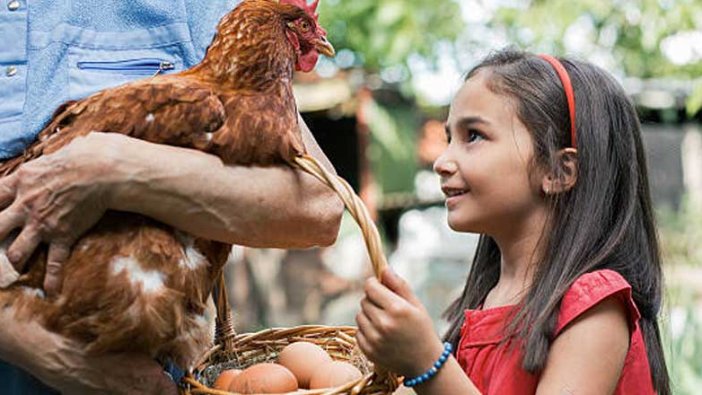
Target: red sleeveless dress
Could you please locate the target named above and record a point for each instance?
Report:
(495, 367)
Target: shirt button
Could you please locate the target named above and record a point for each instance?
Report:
(11, 71)
(13, 5)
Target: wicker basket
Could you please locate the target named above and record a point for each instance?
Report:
(243, 350)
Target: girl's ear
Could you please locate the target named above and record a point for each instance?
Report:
(567, 173)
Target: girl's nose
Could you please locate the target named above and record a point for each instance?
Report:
(444, 166)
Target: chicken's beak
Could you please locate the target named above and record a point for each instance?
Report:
(324, 47)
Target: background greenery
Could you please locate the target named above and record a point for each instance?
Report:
(630, 36)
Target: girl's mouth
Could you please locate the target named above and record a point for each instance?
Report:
(452, 192)
(453, 195)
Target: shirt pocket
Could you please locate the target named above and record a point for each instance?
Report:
(91, 70)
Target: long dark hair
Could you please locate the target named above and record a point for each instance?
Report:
(605, 222)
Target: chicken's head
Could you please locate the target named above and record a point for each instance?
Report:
(306, 36)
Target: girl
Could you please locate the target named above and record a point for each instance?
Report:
(545, 161)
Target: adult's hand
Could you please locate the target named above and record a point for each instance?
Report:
(64, 365)
(41, 198)
(117, 374)
(58, 197)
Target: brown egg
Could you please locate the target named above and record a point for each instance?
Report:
(303, 359)
(225, 378)
(264, 378)
(334, 374)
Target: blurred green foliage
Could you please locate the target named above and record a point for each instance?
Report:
(681, 234)
(392, 149)
(386, 33)
(633, 31)
(681, 328)
(681, 334)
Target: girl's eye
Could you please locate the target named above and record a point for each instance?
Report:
(473, 135)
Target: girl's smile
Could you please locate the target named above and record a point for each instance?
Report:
(453, 196)
(485, 170)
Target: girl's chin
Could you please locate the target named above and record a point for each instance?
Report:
(461, 224)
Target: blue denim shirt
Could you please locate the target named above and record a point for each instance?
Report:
(55, 50)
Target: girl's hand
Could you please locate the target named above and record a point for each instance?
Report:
(394, 329)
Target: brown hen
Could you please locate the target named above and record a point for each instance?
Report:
(131, 283)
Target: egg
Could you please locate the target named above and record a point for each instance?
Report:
(303, 359)
(225, 378)
(334, 374)
(264, 378)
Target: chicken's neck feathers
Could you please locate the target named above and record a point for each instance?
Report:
(249, 51)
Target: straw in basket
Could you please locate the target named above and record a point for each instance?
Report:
(243, 350)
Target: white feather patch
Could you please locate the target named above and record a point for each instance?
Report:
(192, 258)
(8, 274)
(150, 118)
(36, 292)
(151, 281)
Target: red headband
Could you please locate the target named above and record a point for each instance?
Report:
(568, 89)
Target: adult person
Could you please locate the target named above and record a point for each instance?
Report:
(56, 51)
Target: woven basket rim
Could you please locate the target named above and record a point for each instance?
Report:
(226, 339)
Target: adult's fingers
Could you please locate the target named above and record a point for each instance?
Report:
(58, 254)
(23, 246)
(10, 219)
(8, 190)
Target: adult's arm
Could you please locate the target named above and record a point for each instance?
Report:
(252, 206)
(63, 365)
(58, 197)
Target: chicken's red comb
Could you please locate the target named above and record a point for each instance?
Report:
(309, 8)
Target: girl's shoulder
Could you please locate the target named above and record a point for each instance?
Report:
(592, 288)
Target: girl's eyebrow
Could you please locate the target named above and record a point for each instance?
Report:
(465, 122)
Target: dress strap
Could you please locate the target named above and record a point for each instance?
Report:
(592, 288)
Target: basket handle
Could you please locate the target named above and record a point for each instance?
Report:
(355, 206)
(224, 321)
(225, 333)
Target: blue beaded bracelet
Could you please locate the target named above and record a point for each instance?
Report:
(424, 377)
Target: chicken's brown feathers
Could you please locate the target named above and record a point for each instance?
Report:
(131, 283)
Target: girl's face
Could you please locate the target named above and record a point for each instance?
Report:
(485, 170)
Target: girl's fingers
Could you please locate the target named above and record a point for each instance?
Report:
(372, 311)
(398, 285)
(380, 295)
(366, 327)
(363, 344)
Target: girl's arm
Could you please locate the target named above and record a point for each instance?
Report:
(396, 332)
(588, 356)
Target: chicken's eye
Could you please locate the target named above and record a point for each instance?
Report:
(305, 26)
